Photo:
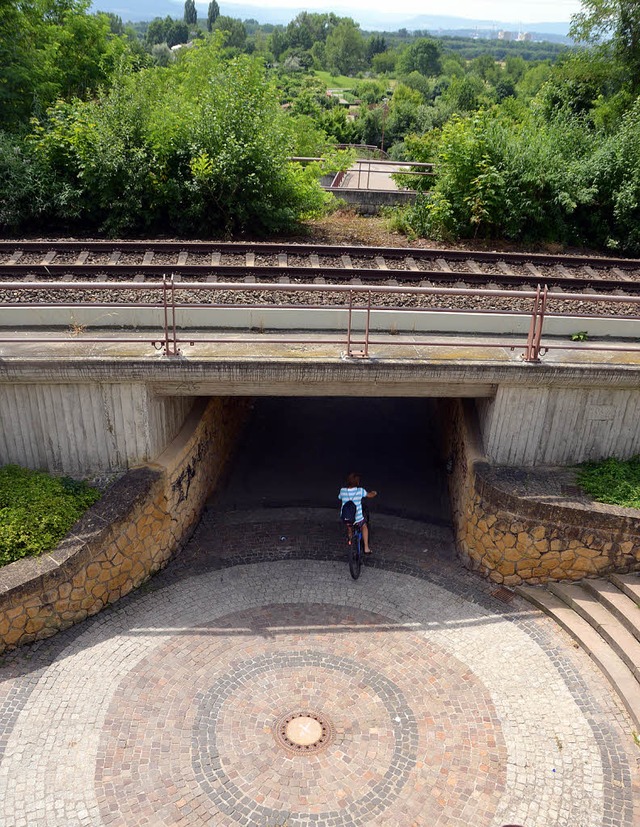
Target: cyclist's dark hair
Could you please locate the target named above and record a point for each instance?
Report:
(353, 480)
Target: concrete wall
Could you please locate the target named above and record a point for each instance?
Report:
(559, 426)
(370, 201)
(85, 429)
(91, 416)
(142, 520)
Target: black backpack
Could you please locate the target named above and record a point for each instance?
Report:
(348, 512)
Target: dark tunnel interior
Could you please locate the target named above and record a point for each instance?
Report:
(297, 451)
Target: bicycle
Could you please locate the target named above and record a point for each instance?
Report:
(355, 549)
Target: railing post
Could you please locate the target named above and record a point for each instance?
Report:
(349, 323)
(169, 302)
(176, 349)
(367, 325)
(166, 315)
(532, 350)
(364, 353)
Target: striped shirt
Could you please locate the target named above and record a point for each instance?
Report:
(356, 495)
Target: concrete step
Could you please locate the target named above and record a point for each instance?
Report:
(629, 584)
(603, 621)
(621, 606)
(612, 666)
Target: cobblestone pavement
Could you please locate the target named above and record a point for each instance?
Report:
(429, 700)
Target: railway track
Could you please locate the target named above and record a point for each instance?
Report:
(66, 261)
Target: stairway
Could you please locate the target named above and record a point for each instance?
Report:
(603, 616)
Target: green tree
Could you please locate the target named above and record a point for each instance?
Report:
(345, 48)
(236, 34)
(370, 91)
(19, 75)
(385, 62)
(376, 45)
(420, 83)
(505, 89)
(578, 80)
(423, 56)
(371, 126)
(615, 24)
(278, 43)
(190, 13)
(485, 67)
(464, 93)
(525, 180)
(213, 14)
(177, 33)
(162, 54)
(51, 50)
(308, 28)
(403, 113)
(515, 67)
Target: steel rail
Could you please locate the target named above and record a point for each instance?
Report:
(270, 248)
(292, 271)
(266, 271)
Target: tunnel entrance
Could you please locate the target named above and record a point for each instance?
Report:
(296, 452)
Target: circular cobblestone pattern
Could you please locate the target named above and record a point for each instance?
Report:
(283, 694)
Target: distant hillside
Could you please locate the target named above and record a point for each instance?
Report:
(136, 10)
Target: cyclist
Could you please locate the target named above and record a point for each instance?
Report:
(353, 492)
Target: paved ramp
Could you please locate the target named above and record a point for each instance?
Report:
(253, 683)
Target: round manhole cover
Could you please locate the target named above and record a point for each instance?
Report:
(303, 732)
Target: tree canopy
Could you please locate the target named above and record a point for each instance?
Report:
(213, 14)
(613, 24)
(51, 49)
(199, 146)
(190, 13)
(106, 126)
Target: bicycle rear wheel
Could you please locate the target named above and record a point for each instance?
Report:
(355, 555)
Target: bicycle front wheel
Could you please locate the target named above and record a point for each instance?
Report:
(355, 555)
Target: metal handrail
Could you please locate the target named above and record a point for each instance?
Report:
(171, 302)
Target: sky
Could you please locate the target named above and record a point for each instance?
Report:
(525, 11)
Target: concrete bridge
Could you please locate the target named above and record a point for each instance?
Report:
(81, 408)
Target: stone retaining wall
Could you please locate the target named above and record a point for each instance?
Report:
(514, 540)
(141, 522)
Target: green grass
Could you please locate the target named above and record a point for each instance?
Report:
(612, 481)
(37, 510)
(336, 81)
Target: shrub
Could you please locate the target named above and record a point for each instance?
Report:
(199, 147)
(496, 176)
(37, 510)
